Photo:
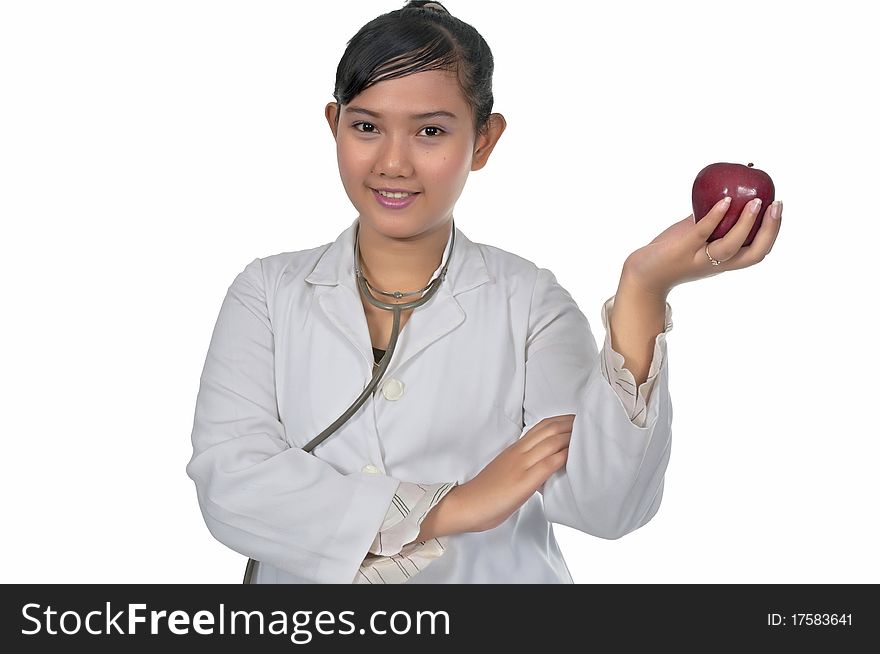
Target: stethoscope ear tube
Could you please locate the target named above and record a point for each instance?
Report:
(383, 364)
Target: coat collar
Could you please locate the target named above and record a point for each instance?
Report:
(467, 269)
(338, 296)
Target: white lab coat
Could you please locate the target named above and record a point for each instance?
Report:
(499, 347)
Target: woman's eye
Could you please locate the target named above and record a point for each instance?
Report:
(364, 131)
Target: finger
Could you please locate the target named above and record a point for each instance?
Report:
(706, 225)
(546, 428)
(743, 227)
(761, 245)
(726, 247)
(547, 448)
(565, 417)
(537, 475)
(550, 426)
(543, 469)
(776, 222)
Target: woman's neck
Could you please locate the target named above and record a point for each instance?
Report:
(391, 264)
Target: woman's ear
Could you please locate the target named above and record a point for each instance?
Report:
(330, 112)
(487, 139)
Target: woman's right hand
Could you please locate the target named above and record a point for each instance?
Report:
(513, 476)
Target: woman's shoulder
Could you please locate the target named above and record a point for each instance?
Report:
(505, 265)
(290, 264)
(293, 260)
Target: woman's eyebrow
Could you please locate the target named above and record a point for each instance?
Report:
(429, 114)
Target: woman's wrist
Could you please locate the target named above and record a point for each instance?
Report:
(445, 519)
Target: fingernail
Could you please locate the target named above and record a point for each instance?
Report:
(775, 209)
(726, 200)
(756, 205)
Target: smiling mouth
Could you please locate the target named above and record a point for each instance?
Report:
(392, 202)
(395, 195)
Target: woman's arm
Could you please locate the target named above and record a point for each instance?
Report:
(612, 480)
(445, 519)
(636, 319)
(259, 496)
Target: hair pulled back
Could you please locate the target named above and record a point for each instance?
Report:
(419, 37)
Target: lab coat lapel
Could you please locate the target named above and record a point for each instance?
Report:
(345, 311)
(428, 323)
(340, 300)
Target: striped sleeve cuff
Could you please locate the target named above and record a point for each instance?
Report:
(403, 521)
(394, 555)
(397, 569)
(622, 379)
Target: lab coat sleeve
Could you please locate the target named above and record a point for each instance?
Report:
(612, 482)
(259, 496)
(395, 556)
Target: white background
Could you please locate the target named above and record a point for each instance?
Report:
(150, 150)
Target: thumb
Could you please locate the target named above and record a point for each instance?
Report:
(682, 225)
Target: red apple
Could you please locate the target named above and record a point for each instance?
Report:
(742, 183)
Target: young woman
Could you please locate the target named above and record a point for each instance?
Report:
(406, 405)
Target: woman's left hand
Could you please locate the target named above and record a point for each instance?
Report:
(678, 254)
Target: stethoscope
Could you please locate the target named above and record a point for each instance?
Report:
(367, 289)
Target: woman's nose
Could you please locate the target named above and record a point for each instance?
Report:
(393, 157)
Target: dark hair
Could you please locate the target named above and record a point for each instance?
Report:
(420, 36)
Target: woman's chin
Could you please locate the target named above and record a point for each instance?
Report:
(396, 227)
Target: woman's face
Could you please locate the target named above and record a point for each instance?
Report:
(393, 148)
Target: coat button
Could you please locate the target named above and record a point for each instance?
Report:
(392, 389)
(370, 469)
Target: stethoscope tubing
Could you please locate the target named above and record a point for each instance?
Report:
(383, 364)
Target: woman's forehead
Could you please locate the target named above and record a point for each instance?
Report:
(412, 96)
